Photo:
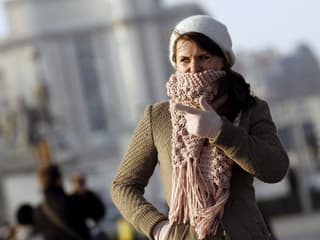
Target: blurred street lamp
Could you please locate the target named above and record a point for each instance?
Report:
(39, 117)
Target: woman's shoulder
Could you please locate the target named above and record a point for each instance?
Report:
(260, 109)
(160, 106)
(259, 103)
(156, 108)
(257, 109)
(158, 111)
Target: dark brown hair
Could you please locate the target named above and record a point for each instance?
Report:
(203, 42)
(233, 84)
(239, 94)
(24, 214)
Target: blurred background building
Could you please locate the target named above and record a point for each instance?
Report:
(65, 71)
(76, 75)
(291, 86)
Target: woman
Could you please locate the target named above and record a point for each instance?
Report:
(209, 140)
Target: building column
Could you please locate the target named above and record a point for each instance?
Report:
(3, 217)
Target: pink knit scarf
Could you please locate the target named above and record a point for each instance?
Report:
(201, 171)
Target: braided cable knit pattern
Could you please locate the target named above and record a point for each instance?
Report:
(201, 171)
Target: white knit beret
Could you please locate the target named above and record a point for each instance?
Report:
(208, 26)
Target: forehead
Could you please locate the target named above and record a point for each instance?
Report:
(187, 47)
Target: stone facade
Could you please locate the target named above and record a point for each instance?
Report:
(103, 62)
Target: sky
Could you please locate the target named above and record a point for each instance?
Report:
(3, 22)
(256, 25)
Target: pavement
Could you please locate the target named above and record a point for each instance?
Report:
(297, 227)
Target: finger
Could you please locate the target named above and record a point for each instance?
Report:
(204, 104)
(186, 109)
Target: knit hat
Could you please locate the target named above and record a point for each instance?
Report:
(208, 26)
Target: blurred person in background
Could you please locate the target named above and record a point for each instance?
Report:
(63, 216)
(210, 140)
(25, 230)
(88, 198)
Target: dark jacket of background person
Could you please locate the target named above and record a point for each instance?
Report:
(72, 209)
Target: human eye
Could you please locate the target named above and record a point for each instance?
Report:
(184, 60)
(204, 57)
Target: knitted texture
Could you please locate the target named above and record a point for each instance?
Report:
(201, 172)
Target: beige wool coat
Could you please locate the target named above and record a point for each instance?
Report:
(253, 146)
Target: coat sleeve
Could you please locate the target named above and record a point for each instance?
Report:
(132, 177)
(258, 151)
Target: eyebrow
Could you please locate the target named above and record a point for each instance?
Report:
(199, 54)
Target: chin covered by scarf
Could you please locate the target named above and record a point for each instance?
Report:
(201, 171)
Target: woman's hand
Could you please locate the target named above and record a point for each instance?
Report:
(204, 122)
(161, 230)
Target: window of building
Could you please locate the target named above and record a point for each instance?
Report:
(286, 135)
(311, 139)
(90, 83)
